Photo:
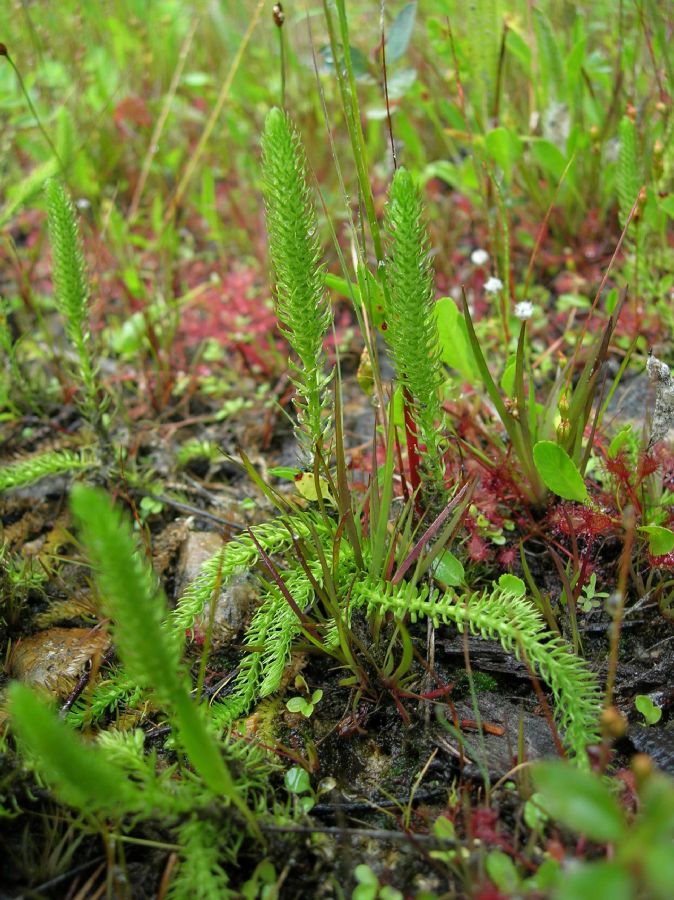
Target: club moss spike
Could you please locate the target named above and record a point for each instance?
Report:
(412, 331)
(71, 294)
(302, 307)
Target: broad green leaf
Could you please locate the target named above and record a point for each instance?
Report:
(657, 796)
(444, 828)
(505, 148)
(286, 472)
(501, 870)
(519, 48)
(660, 539)
(546, 877)
(400, 33)
(359, 63)
(559, 472)
(508, 377)
(534, 815)
(455, 348)
(306, 486)
(597, 881)
(297, 780)
(651, 713)
(550, 158)
(658, 868)
(579, 800)
(667, 205)
(512, 585)
(449, 569)
(619, 441)
(365, 875)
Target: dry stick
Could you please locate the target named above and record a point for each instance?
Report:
(386, 97)
(605, 278)
(161, 121)
(617, 614)
(496, 112)
(279, 19)
(5, 52)
(544, 224)
(651, 52)
(370, 337)
(193, 161)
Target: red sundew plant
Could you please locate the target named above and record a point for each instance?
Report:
(583, 523)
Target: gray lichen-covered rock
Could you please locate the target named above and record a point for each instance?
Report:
(235, 599)
(663, 413)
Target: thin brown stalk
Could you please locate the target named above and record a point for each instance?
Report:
(223, 96)
(161, 121)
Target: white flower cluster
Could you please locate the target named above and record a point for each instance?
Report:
(479, 257)
(524, 310)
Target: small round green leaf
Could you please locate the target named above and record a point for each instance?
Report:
(651, 713)
(297, 780)
(448, 569)
(660, 540)
(511, 584)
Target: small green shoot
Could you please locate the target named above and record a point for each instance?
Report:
(298, 783)
(590, 597)
(651, 713)
(304, 704)
(369, 888)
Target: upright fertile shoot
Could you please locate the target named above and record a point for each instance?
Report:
(412, 330)
(71, 292)
(302, 307)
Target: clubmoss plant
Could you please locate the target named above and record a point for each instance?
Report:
(325, 568)
(412, 330)
(301, 303)
(71, 294)
(132, 598)
(117, 780)
(503, 614)
(57, 462)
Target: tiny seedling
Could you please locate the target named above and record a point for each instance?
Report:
(369, 888)
(302, 705)
(651, 713)
(591, 598)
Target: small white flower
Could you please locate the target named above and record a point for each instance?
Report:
(82, 203)
(524, 310)
(479, 257)
(493, 285)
